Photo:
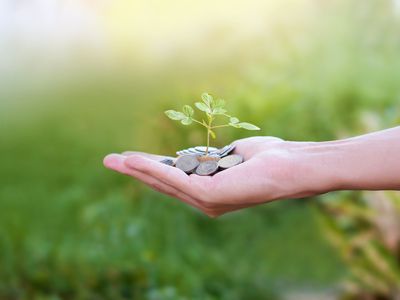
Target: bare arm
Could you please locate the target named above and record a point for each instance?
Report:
(275, 169)
(366, 162)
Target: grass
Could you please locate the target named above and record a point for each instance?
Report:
(70, 228)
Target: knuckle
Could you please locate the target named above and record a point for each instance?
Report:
(206, 191)
(134, 161)
(207, 204)
(211, 213)
(213, 195)
(162, 190)
(157, 186)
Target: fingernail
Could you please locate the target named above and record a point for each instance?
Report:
(112, 161)
(133, 161)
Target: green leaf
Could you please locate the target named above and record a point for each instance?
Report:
(233, 120)
(219, 103)
(203, 107)
(247, 126)
(187, 121)
(212, 133)
(175, 115)
(207, 98)
(218, 111)
(188, 110)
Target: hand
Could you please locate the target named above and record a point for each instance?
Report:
(272, 169)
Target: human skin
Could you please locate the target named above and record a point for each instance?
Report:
(274, 169)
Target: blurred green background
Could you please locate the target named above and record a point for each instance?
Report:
(81, 79)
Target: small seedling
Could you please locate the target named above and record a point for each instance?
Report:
(212, 109)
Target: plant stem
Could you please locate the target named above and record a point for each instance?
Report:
(208, 140)
(210, 119)
(219, 126)
(202, 124)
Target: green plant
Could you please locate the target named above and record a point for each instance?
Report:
(212, 108)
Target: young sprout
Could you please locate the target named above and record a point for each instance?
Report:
(212, 109)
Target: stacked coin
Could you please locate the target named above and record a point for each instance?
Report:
(201, 150)
(195, 161)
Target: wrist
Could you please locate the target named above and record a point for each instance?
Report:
(320, 166)
(366, 162)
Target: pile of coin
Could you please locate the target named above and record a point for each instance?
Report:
(195, 161)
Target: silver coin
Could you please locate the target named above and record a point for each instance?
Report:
(185, 160)
(207, 168)
(189, 151)
(193, 150)
(204, 148)
(183, 152)
(167, 161)
(214, 157)
(187, 163)
(223, 149)
(197, 150)
(230, 148)
(227, 151)
(230, 161)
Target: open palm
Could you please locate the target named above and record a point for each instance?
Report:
(266, 174)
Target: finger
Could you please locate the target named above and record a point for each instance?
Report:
(233, 185)
(164, 188)
(116, 162)
(211, 209)
(148, 155)
(167, 174)
(161, 187)
(248, 147)
(227, 209)
(202, 189)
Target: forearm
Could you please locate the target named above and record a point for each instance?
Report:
(367, 162)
